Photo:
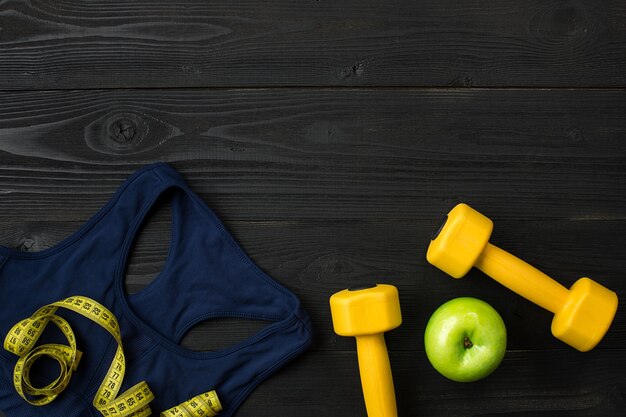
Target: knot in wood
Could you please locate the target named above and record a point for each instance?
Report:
(356, 71)
(122, 130)
(28, 244)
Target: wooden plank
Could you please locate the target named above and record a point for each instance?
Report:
(323, 154)
(317, 259)
(193, 43)
(527, 383)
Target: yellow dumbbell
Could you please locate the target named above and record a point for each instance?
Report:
(366, 313)
(582, 314)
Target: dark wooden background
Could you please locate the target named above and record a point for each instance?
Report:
(330, 137)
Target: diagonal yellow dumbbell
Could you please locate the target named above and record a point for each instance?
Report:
(582, 314)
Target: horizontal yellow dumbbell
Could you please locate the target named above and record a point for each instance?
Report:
(582, 314)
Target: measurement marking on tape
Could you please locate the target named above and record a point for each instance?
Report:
(134, 402)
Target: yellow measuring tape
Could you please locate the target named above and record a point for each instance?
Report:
(21, 341)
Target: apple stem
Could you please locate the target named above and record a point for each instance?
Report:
(467, 343)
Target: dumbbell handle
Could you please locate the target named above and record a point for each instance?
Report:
(522, 278)
(376, 379)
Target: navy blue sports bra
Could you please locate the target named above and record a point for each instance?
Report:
(206, 275)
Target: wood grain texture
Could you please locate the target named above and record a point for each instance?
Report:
(324, 154)
(527, 383)
(193, 43)
(328, 188)
(330, 137)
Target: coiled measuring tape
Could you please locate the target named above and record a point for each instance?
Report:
(21, 341)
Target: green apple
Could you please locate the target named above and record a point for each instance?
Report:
(465, 339)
